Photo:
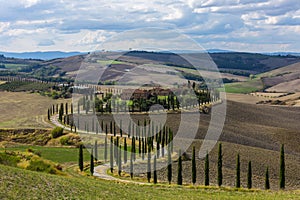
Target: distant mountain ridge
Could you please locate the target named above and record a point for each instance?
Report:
(43, 55)
(48, 55)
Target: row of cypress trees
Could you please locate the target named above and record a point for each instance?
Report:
(249, 171)
(179, 171)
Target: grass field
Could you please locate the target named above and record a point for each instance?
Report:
(109, 62)
(24, 110)
(14, 66)
(56, 154)
(244, 87)
(19, 86)
(17, 183)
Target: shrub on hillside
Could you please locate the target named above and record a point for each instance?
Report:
(57, 132)
(41, 166)
(70, 139)
(9, 158)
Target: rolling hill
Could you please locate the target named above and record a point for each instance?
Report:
(284, 79)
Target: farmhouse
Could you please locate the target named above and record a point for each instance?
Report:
(128, 94)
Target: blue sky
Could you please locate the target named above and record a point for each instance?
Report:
(71, 25)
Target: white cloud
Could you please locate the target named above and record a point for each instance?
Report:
(29, 3)
(79, 25)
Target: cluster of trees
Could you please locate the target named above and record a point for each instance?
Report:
(142, 144)
(113, 103)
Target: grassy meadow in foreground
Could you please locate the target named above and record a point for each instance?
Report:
(16, 183)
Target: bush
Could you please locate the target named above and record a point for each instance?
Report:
(57, 132)
(9, 158)
(70, 139)
(41, 166)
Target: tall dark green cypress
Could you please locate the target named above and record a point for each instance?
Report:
(92, 163)
(67, 109)
(140, 148)
(169, 167)
(125, 151)
(80, 160)
(133, 148)
(96, 151)
(238, 172)
(119, 160)
(105, 148)
(282, 168)
(111, 127)
(249, 176)
(267, 181)
(154, 170)
(157, 148)
(143, 148)
(115, 132)
(220, 163)
(131, 164)
(179, 170)
(48, 114)
(111, 159)
(149, 167)
(194, 171)
(206, 170)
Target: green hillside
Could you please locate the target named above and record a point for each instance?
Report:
(17, 183)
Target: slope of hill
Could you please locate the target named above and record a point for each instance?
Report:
(18, 183)
(284, 79)
(238, 64)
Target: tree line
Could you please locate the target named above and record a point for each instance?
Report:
(152, 172)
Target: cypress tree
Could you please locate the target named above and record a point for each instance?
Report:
(96, 150)
(157, 148)
(121, 131)
(131, 164)
(80, 160)
(62, 108)
(48, 114)
(220, 174)
(169, 166)
(105, 148)
(249, 176)
(267, 181)
(149, 167)
(111, 127)
(115, 129)
(179, 176)
(238, 172)
(194, 175)
(206, 170)
(120, 161)
(125, 151)
(154, 171)
(143, 148)
(92, 163)
(67, 110)
(140, 149)
(111, 159)
(133, 147)
(282, 168)
(116, 151)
